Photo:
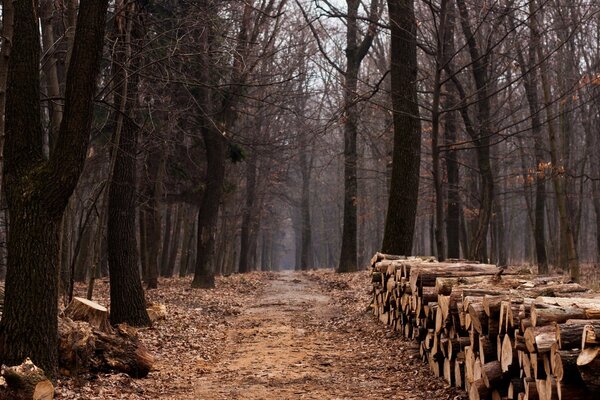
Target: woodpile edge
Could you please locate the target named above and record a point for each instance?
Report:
(496, 333)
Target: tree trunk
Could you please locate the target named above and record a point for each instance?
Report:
(248, 215)
(175, 242)
(208, 212)
(566, 232)
(38, 190)
(166, 242)
(50, 71)
(151, 221)
(450, 132)
(126, 294)
(404, 190)
(531, 92)
(306, 261)
(480, 135)
(454, 204)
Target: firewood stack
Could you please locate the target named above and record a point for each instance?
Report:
(497, 333)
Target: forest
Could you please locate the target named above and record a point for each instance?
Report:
(169, 161)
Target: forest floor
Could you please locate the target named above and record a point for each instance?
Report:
(285, 335)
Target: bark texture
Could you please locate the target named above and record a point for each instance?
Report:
(126, 294)
(404, 190)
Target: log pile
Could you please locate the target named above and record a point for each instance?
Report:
(496, 333)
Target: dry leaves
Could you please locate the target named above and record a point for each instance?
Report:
(269, 336)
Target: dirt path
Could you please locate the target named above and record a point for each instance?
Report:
(293, 342)
(268, 336)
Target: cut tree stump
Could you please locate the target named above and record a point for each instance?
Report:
(96, 315)
(27, 381)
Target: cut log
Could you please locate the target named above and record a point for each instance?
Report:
(491, 373)
(124, 352)
(82, 348)
(487, 349)
(564, 366)
(478, 390)
(590, 337)
(591, 306)
(96, 315)
(27, 381)
(509, 354)
(479, 319)
(540, 338)
(544, 314)
(425, 275)
(569, 334)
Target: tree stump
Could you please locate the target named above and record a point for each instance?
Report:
(96, 315)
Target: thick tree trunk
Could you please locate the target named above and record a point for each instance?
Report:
(32, 240)
(209, 208)
(38, 190)
(126, 294)
(404, 190)
(6, 37)
(453, 209)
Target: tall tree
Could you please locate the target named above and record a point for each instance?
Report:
(404, 186)
(355, 53)
(127, 303)
(37, 188)
(7, 34)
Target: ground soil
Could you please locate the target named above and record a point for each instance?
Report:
(282, 335)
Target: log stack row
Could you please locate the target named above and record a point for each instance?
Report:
(496, 333)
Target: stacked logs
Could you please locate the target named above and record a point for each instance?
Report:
(497, 333)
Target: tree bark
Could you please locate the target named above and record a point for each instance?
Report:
(166, 242)
(50, 71)
(175, 242)
(306, 261)
(128, 304)
(38, 190)
(208, 212)
(247, 216)
(531, 92)
(566, 231)
(480, 135)
(404, 190)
